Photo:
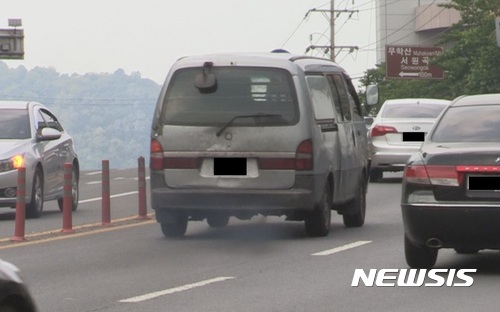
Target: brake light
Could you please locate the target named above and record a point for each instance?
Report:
(277, 163)
(303, 159)
(416, 174)
(443, 175)
(435, 175)
(304, 155)
(380, 130)
(156, 155)
(482, 169)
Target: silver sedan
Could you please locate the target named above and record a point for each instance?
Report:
(33, 138)
(399, 130)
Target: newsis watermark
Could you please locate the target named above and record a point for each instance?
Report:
(413, 278)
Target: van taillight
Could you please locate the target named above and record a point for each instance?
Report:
(435, 175)
(304, 155)
(156, 156)
(277, 163)
(380, 130)
(303, 159)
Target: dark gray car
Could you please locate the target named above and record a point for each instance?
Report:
(451, 187)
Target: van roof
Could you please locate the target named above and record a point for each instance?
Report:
(281, 60)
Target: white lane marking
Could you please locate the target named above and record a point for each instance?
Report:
(94, 182)
(93, 173)
(119, 178)
(147, 178)
(111, 196)
(175, 289)
(341, 248)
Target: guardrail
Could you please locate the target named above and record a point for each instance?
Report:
(67, 220)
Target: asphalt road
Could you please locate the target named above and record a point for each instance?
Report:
(265, 264)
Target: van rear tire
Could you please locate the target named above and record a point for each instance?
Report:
(317, 223)
(176, 228)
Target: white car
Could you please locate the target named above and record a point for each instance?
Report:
(398, 131)
(33, 138)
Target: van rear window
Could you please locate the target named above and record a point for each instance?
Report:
(239, 91)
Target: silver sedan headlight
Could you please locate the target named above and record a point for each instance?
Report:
(12, 163)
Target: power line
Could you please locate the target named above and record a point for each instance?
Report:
(400, 28)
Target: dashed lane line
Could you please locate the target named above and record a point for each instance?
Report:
(341, 248)
(112, 196)
(175, 289)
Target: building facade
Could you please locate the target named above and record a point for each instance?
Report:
(411, 23)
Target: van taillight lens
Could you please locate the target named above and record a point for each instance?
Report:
(380, 130)
(156, 156)
(277, 163)
(304, 155)
(435, 175)
(303, 159)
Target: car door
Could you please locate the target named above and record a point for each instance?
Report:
(329, 118)
(325, 120)
(49, 154)
(359, 128)
(348, 176)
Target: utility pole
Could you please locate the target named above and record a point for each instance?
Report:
(332, 47)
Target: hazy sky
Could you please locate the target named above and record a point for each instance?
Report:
(147, 36)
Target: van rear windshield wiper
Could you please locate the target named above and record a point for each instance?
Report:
(244, 116)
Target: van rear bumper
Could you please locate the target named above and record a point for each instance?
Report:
(301, 197)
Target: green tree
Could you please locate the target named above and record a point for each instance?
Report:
(473, 60)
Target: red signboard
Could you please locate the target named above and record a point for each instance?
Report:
(412, 62)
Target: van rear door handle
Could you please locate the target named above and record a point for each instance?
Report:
(328, 125)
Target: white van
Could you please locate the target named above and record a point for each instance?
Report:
(247, 134)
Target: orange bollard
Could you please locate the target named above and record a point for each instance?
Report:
(143, 213)
(20, 206)
(106, 202)
(68, 199)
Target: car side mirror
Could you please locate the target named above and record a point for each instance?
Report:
(48, 134)
(372, 95)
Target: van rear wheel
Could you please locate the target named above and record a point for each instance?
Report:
(175, 228)
(318, 222)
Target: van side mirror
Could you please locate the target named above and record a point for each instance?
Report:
(372, 95)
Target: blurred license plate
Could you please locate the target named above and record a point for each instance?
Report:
(483, 183)
(230, 166)
(413, 136)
